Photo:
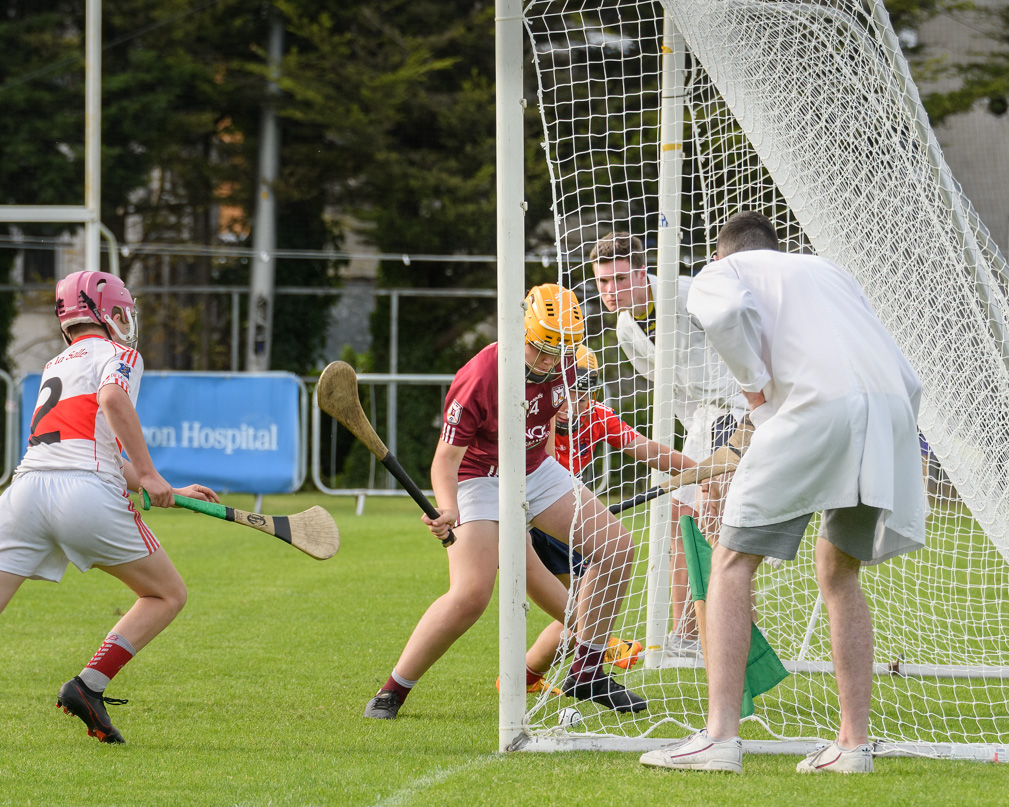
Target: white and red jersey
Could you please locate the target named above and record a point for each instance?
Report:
(69, 431)
(470, 417)
(574, 450)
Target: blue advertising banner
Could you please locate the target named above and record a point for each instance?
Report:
(230, 431)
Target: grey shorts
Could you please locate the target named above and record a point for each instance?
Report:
(850, 529)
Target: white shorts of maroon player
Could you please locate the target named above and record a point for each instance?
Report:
(478, 498)
(50, 518)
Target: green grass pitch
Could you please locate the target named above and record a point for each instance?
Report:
(254, 695)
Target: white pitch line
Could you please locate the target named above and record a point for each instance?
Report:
(436, 777)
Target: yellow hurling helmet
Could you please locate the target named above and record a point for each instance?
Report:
(553, 319)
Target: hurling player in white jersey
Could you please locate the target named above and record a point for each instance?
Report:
(69, 499)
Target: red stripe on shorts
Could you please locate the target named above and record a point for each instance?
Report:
(149, 540)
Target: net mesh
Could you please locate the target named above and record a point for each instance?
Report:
(803, 111)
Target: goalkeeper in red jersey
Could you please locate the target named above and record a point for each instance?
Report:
(581, 425)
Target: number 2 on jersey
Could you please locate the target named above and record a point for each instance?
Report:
(55, 387)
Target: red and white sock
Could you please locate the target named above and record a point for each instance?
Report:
(532, 676)
(111, 657)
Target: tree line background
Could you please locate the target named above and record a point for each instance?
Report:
(387, 116)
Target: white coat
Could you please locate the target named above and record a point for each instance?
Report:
(840, 423)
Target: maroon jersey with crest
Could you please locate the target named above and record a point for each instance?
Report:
(470, 417)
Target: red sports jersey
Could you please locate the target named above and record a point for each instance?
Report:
(598, 423)
(470, 417)
(68, 429)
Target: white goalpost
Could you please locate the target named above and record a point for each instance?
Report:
(662, 119)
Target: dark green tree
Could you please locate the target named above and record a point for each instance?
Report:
(406, 92)
(202, 73)
(182, 92)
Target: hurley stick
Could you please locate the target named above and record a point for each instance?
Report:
(338, 398)
(725, 458)
(314, 531)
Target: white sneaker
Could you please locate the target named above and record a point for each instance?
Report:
(698, 753)
(834, 759)
(679, 646)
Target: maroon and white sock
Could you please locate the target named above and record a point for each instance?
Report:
(588, 661)
(532, 676)
(400, 685)
(111, 657)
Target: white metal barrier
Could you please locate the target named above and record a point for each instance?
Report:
(11, 420)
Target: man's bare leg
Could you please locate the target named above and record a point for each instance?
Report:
(728, 640)
(684, 623)
(472, 563)
(608, 548)
(9, 584)
(161, 595)
(850, 639)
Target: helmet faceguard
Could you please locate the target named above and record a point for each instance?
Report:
(554, 326)
(586, 371)
(534, 373)
(586, 384)
(95, 298)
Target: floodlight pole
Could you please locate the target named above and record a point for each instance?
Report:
(264, 241)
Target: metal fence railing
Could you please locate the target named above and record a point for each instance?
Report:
(11, 421)
(387, 486)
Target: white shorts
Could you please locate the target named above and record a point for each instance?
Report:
(478, 498)
(50, 518)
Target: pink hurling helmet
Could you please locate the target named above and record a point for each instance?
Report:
(93, 297)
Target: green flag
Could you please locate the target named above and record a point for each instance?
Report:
(764, 669)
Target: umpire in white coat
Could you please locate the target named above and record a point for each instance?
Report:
(835, 406)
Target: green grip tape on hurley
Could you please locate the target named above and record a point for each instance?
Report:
(197, 505)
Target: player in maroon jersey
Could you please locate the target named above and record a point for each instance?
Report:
(465, 482)
(68, 501)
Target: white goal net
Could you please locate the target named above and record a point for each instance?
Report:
(661, 120)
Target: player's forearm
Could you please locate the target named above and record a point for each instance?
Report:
(131, 476)
(125, 424)
(446, 493)
(662, 458)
